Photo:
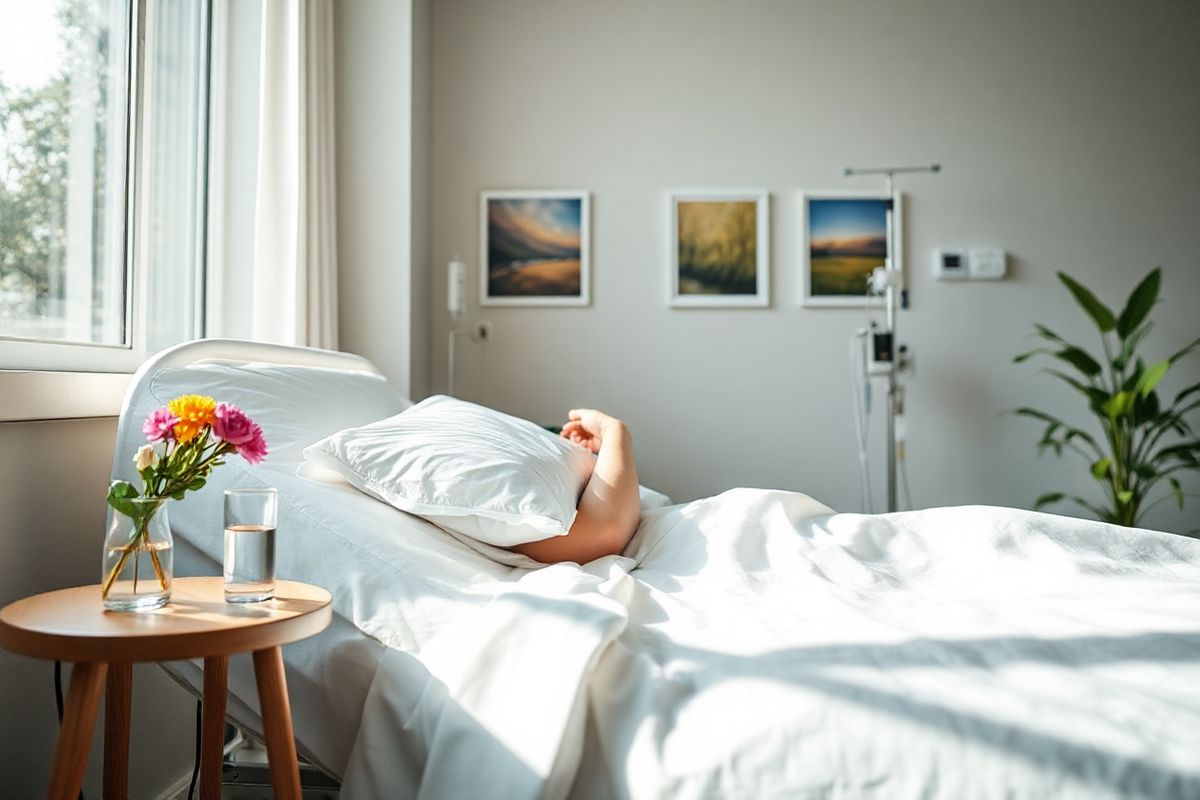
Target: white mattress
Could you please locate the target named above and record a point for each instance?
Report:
(752, 645)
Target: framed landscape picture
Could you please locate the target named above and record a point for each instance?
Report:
(843, 239)
(534, 248)
(719, 249)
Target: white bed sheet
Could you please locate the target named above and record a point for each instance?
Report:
(756, 645)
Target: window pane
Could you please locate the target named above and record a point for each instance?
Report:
(63, 109)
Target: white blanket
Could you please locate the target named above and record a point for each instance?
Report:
(754, 645)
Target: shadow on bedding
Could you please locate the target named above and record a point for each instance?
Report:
(1130, 773)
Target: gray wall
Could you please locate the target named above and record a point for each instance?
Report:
(383, 128)
(53, 478)
(1069, 132)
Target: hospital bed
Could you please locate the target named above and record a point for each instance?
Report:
(753, 644)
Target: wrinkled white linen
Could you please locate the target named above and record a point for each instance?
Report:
(756, 645)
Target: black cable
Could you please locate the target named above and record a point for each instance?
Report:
(58, 699)
(196, 762)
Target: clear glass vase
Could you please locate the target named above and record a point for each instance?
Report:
(137, 557)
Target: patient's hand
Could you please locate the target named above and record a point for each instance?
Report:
(588, 427)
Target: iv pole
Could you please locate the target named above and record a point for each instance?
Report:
(889, 299)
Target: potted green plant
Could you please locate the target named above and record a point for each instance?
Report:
(1144, 443)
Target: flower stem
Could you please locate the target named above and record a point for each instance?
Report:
(135, 545)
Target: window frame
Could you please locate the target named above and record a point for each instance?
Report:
(26, 357)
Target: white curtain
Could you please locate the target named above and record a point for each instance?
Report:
(295, 228)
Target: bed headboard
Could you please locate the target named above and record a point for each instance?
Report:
(210, 351)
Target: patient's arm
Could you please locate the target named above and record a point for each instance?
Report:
(608, 511)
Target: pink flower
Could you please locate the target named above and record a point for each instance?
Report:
(160, 425)
(232, 425)
(253, 449)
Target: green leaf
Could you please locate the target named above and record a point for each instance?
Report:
(1026, 356)
(1079, 358)
(1183, 395)
(1177, 490)
(1146, 409)
(1124, 496)
(1074, 433)
(1118, 405)
(1100, 313)
(120, 493)
(1100, 513)
(1141, 300)
(1143, 471)
(1046, 333)
(1072, 381)
(1100, 468)
(1181, 353)
(1151, 377)
(1047, 499)
(1025, 411)
(1131, 344)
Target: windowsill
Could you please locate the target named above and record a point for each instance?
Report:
(35, 395)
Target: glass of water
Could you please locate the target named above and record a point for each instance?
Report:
(249, 545)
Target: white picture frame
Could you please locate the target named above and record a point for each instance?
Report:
(678, 295)
(821, 297)
(531, 223)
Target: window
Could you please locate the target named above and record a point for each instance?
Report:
(102, 158)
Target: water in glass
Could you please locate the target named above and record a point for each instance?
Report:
(249, 563)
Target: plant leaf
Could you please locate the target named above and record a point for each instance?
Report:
(1026, 356)
(1131, 344)
(1079, 358)
(1151, 376)
(1118, 405)
(1072, 381)
(1025, 411)
(1141, 300)
(120, 493)
(1100, 513)
(1124, 496)
(1100, 313)
(1047, 499)
(1181, 353)
(1177, 490)
(1195, 387)
(1046, 333)
(1100, 468)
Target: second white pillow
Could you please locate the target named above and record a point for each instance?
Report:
(482, 473)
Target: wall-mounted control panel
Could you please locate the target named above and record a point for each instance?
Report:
(969, 264)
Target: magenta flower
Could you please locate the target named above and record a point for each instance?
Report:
(253, 449)
(160, 425)
(232, 425)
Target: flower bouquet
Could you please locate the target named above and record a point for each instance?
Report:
(195, 434)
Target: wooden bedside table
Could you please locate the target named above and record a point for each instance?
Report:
(72, 625)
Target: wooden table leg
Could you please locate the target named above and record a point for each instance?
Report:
(75, 734)
(117, 699)
(277, 723)
(212, 726)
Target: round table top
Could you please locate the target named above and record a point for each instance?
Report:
(72, 625)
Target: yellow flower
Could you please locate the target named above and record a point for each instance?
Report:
(194, 412)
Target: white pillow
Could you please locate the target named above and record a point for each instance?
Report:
(487, 475)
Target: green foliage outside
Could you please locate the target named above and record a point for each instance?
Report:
(1145, 442)
(35, 125)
